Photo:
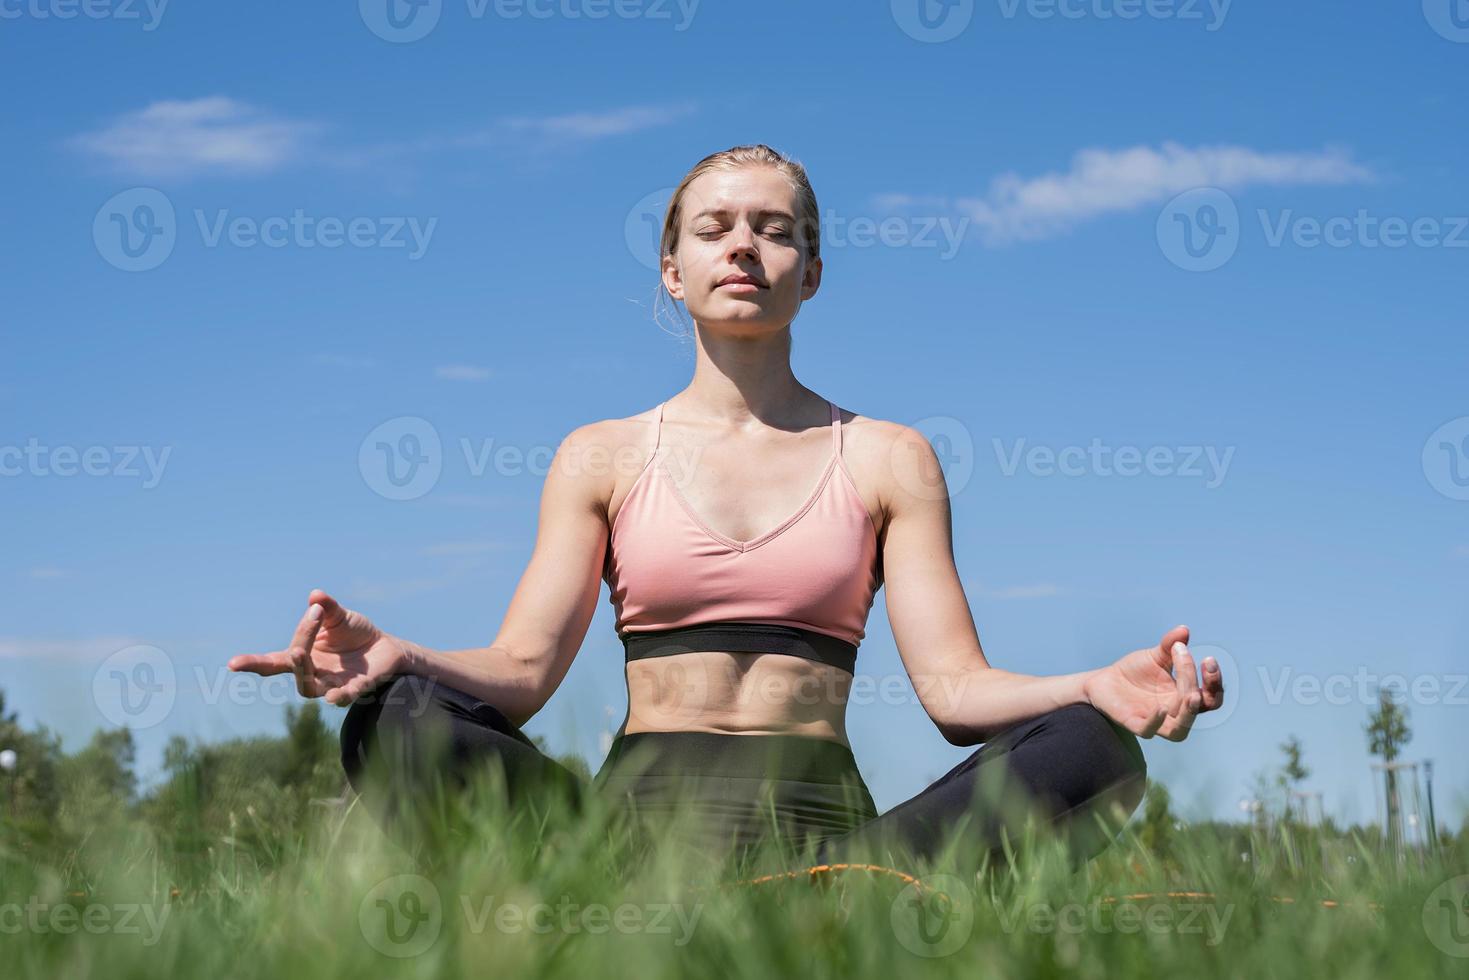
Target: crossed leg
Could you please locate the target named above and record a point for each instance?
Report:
(1067, 767)
(413, 746)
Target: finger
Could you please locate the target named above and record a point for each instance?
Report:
(1152, 723)
(264, 664)
(1186, 676)
(348, 692)
(1163, 652)
(1213, 692)
(1177, 729)
(332, 612)
(300, 651)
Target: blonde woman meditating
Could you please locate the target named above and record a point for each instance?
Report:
(742, 555)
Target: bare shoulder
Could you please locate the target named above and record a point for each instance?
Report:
(890, 458)
(629, 438)
(605, 455)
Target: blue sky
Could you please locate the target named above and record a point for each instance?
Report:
(1226, 242)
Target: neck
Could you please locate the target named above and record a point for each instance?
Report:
(745, 376)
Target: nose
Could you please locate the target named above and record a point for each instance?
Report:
(742, 242)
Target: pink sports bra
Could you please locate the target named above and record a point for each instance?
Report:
(804, 587)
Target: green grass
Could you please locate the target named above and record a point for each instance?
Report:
(520, 892)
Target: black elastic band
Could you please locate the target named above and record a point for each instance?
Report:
(742, 638)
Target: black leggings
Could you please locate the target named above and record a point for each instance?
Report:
(1068, 766)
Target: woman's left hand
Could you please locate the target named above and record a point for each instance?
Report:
(1156, 691)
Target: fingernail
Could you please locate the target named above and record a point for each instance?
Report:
(1179, 649)
(315, 611)
(1210, 663)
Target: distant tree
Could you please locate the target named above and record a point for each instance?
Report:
(1263, 800)
(31, 789)
(309, 744)
(1387, 732)
(97, 783)
(1292, 773)
(573, 762)
(1156, 832)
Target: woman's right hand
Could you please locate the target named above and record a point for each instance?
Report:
(336, 653)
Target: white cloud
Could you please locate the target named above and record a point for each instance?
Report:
(1099, 182)
(521, 133)
(461, 372)
(599, 125)
(216, 134)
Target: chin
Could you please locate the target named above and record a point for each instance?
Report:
(741, 319)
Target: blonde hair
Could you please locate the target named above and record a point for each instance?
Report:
(808, 220)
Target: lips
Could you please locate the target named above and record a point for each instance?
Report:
(742, 279)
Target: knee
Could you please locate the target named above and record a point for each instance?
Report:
(392, 708)
(1107, 754)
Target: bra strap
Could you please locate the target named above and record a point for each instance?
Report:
(836, 428)
(657, 430)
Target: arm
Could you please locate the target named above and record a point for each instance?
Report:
(339, 654)
(970, 701)
(553, 602)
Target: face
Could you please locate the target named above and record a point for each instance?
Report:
(740, 259)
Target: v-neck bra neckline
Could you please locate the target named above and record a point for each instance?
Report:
(775, 532)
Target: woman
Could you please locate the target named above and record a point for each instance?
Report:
(743, 551)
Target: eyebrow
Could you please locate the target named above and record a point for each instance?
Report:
(721, 212)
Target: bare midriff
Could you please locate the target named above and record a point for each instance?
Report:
(737, 694)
